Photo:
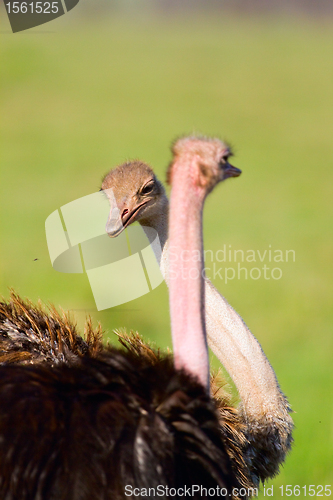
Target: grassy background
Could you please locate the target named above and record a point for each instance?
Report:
(80, 99)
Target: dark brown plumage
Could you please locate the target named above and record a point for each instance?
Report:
(101, 418)
(84, 370)
(30, 334)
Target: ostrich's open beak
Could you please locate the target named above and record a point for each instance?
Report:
(231, 171)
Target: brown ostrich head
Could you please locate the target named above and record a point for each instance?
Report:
(134, 193)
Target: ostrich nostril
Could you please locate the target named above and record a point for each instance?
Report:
(124, 213)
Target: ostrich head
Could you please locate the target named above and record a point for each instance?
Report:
(137, 194)
(210, 158)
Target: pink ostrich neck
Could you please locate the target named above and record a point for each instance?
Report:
(186, 271)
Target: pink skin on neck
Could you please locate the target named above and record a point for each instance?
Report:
(186, 272)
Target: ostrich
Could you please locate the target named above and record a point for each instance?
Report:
(80, 420)
(264, 411)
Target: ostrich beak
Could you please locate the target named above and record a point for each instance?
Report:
(119, 219)
(114, 225)
(231, 171)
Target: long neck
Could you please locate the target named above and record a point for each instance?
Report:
(241, 355)
(228, 336)
(186, 278)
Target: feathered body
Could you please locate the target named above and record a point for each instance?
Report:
(70, 410)
(29, 334)
(101, 418)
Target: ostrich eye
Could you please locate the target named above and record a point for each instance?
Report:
(225, 158)
(147, 189)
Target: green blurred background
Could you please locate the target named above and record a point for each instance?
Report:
(86, 92)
